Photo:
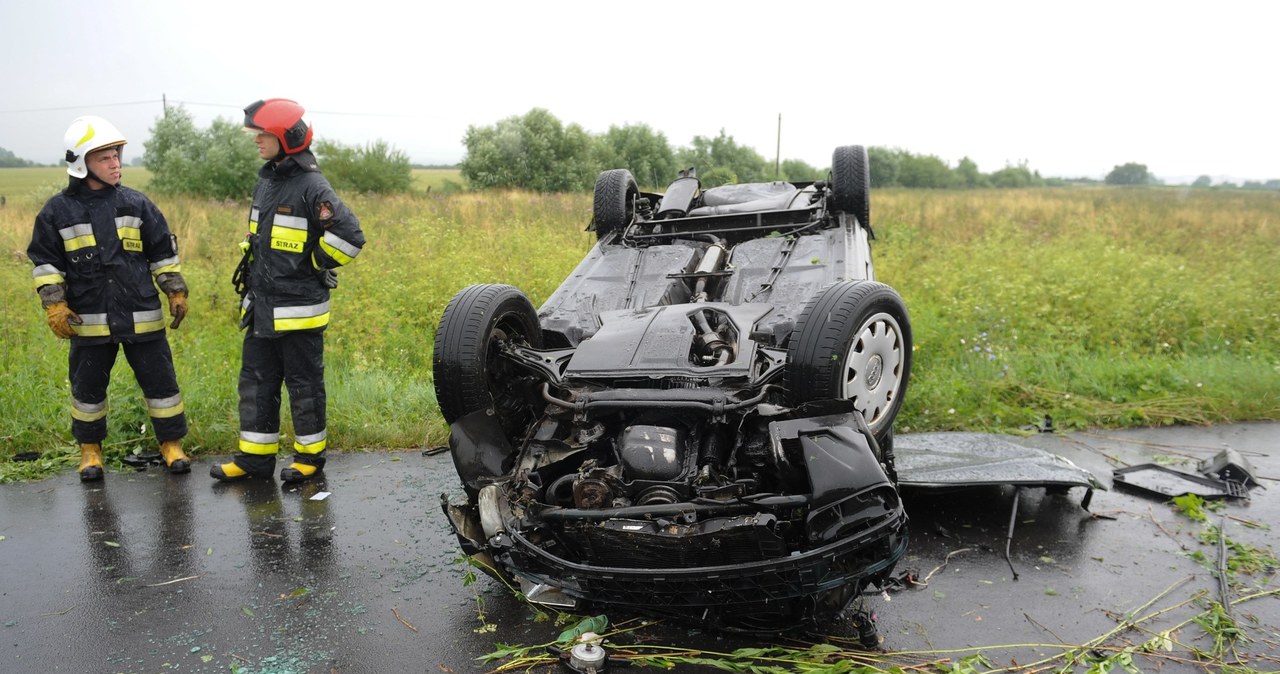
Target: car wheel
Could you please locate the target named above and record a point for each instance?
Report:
(851, 182)
(614, 202)
(852, 341)
(468, 372)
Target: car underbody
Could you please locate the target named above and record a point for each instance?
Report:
(698, 422)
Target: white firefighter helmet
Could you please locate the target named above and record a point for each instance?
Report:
(85, 135)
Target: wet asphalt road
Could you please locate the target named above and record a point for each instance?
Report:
(147, 572)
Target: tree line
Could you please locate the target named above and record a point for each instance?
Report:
(536, 151)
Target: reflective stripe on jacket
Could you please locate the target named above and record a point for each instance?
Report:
(107, 246)
(298, 228)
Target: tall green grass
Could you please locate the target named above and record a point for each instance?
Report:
(1098, 307)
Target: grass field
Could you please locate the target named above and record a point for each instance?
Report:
(435, 180)
(1097, 307)
(40, 182)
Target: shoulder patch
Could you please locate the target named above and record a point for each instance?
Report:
(326, 210)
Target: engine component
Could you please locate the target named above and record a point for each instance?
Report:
(658, 494)
(592, 493)
(651, 453)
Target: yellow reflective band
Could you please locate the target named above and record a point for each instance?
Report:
(92, 330)
(167, 265)
(287, 324)
(338, 256)
(128, 228)
(47, 275)
(86, 412)
(259, 448)
(313, 448)
(87, 418)
(49, 280)
(88, 133)
(167, 412)
(301, 318)
(75, 232)
(130, 237)
(148, 321)
(92, 325)
(79, 242)
(288, 233)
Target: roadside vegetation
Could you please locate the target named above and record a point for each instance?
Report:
(1096, 307)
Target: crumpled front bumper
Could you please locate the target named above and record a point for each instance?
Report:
(765, 595)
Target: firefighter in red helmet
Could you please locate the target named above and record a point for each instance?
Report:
(299, 233)
(100, 250)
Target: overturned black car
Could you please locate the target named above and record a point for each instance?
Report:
(698, 422)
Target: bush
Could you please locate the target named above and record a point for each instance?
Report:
(534, 152)
(798, 170)
(723, 152)
(922, 171)
(1132, 173)
(641, 150)
(220, 163)
(376, 168)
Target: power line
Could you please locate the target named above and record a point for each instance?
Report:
(81, 107)
(210, 105)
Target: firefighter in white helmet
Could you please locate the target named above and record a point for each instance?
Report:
(100, 250)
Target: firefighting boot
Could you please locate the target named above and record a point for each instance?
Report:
(303, 468)
(90, 461)
(243, 466)
(174, 457)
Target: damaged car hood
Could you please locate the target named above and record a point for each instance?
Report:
(939, 460)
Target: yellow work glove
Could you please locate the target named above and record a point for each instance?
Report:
(61, 318)
(177, 308)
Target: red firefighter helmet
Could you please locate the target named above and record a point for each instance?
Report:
(283, 119)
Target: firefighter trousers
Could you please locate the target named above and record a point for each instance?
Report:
(90, 374)
(297, 360)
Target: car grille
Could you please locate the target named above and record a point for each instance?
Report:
(652, 545)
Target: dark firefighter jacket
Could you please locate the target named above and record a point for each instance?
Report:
(106, 246)
(298, 229)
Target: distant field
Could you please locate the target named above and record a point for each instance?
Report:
(435, 180)
(39, 183)
(1099, 307)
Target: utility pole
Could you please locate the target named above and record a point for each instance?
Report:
(164, 100)
(777, 152)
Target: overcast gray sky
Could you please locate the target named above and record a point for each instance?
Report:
(1073, 88)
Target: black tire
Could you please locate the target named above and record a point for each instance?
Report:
(851, 182)
(469, 375)
(852, 341)
(614, 204)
